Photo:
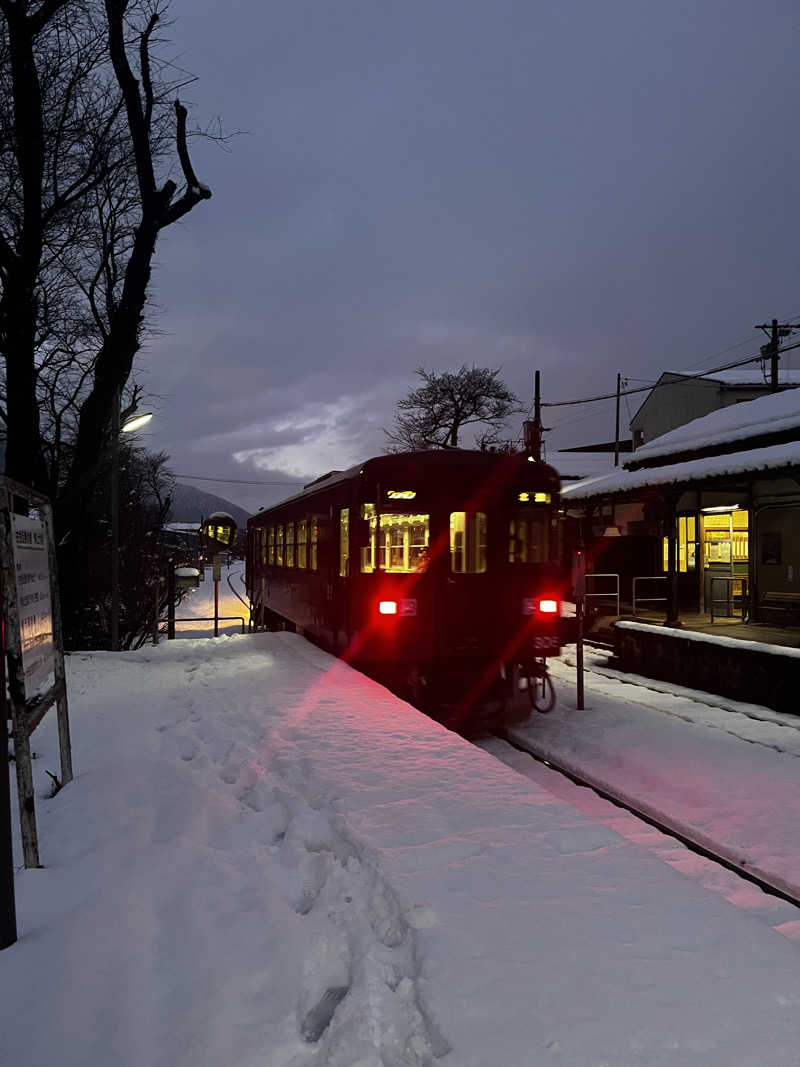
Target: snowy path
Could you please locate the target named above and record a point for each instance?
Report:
(266, 858)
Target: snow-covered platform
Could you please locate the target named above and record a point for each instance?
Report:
(266, 858)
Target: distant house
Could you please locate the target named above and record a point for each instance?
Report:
(714, 505)
(678, 398)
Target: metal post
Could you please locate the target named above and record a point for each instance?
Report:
(579, 589)
(115, 522)
(616, 435)
(8, 912)
(170, 600)
(672, 567)
(216, 607)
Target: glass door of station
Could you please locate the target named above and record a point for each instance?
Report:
(725, 541)
(686, 559)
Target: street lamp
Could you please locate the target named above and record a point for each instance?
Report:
(133, 422)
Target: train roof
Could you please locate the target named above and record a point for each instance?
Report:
(428, 462)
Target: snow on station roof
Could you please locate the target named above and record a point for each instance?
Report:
(774, 457)
(736, 422)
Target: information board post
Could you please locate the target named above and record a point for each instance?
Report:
(579, 591)
(8, 911)
(34, 649)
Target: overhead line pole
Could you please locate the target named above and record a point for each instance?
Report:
(772, 350)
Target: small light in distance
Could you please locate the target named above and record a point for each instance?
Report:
(548, 607)
(387, 607)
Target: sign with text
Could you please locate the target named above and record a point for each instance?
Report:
(32, 578)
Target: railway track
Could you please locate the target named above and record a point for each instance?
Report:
(708, 850)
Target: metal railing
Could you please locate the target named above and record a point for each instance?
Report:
(210, 618)
(647, 599)
(611, 593)
(730, 597)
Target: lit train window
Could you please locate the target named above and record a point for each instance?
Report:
(314, 543)
(279, 546)
(368, 551)
(344, 542)
(529, 538)
(401, 542)
(468, 542)
(271, 546)
(302, 544)
(289, 544)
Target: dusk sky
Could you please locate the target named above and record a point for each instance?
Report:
(582, 188)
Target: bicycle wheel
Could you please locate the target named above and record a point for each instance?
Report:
(542, 692)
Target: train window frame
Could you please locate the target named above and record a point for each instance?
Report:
(344, 542)
(367, 552)
(302, 544)
(522, 547)
(279, 545)
(469, 544)
(314, 545)
(289, 544)
(262, 544)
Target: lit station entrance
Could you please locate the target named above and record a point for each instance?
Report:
(712, 560)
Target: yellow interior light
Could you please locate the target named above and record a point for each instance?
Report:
(541, 498)
(524, 497)
(401, 494)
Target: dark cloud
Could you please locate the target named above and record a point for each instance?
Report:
(581, 188)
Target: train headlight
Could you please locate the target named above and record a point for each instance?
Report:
(387, 607)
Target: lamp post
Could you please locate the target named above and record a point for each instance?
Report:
(134, 422)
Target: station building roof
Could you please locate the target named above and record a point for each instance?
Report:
(773, 458)
(734, 424)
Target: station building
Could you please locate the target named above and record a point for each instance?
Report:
(703, 519)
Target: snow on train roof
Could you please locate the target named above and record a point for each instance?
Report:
(736, 422)
(774, 457)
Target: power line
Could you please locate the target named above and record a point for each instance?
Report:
(648, 388)
(233, 481)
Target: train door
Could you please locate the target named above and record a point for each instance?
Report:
(466, 623)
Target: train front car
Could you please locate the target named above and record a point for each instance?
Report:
(431, 571)
(453, 580)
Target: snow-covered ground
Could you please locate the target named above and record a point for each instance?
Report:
(267, 859)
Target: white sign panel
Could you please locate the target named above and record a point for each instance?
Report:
(32, 574)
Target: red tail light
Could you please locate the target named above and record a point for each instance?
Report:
(548, 607)
(387, 607)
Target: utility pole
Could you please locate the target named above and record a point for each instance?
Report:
(616, 432)
(776, 332)
(533, 430)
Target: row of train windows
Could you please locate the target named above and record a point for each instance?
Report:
(401, 542)
(291, 544)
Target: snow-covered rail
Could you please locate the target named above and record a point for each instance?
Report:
(766, 881)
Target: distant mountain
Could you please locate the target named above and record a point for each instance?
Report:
(192, 505)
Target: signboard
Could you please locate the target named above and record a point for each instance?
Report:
(32, 579)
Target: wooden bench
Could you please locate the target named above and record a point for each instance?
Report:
(785, 605)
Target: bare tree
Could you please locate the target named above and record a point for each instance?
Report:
(435, 414)
(93, 143)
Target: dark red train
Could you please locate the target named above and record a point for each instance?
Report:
(434, 572)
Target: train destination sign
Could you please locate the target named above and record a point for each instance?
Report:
(32, 578)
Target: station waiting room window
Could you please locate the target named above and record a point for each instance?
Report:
(271, 546)
(279, 546)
